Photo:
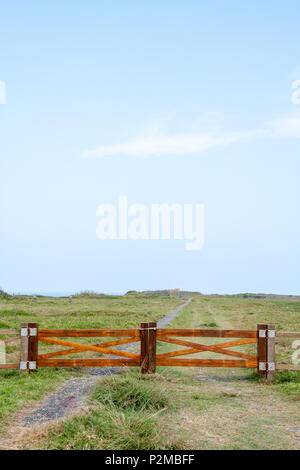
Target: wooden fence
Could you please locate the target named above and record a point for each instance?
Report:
(147, 337)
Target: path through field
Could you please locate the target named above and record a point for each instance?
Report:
(72, 395)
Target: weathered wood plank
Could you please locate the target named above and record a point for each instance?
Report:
(11, 340)
(9, 332)
(205, 363)
(283, 359)
(10, 366)
(287, 367)
(270, 353)
(75, 333)
(88, 362)
(208, 333)
(287, 334)
(24, 347)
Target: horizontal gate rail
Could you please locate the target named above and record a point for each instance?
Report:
(87, 333)
(205, 363)
(9, 365)
(88, 362)
(208, 333)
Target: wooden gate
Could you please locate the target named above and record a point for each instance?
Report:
(145, 343)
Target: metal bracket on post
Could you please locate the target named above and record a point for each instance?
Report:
(28, 332)
(28, 365)
(267, 366)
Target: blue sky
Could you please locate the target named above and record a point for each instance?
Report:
(112, 98)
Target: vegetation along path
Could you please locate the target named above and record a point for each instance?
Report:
(71, 397)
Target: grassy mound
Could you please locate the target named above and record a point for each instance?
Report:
(132, 391)
(124, 414)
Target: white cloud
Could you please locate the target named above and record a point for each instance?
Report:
(182, 144)
(160, 142)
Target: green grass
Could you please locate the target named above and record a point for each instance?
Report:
(132, 392)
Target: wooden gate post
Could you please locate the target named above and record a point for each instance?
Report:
(271, 353)
(24, 347)
(152, 347)
(262, 349)
(29, 347)
(144, 334)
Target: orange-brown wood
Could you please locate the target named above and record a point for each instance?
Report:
(82, 347)
(10, 366)
(75, 333)
(261, 348)
(205, 363)
(204, 347)
(208, 333)
(66, 352)
(88, 362)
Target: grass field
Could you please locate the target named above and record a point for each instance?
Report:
(177, 408)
